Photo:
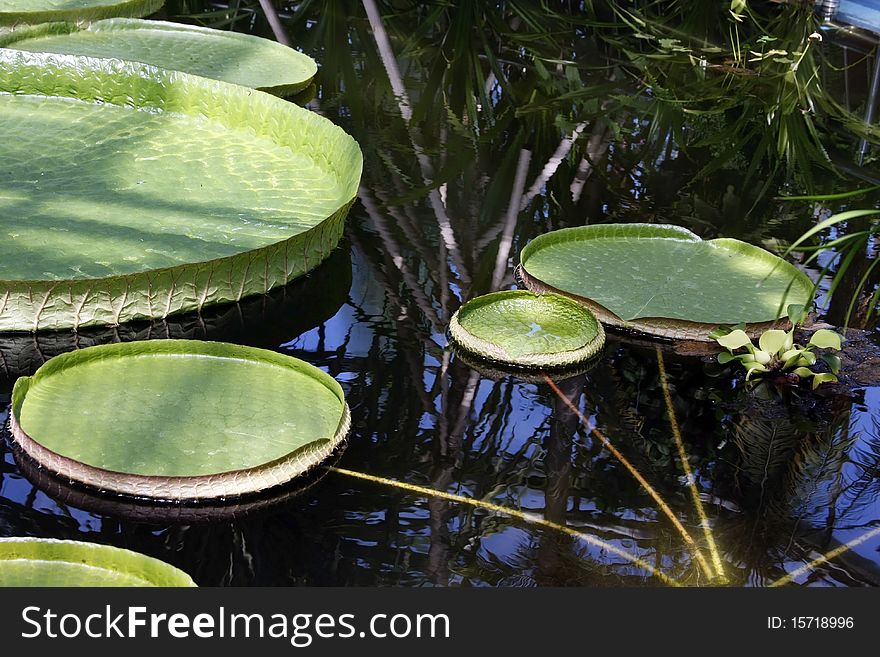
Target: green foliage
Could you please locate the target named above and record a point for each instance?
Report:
(851, 233)
(777, 352)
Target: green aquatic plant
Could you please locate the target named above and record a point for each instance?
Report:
(663, 280)
(520, 329)
(50, 562)
(848, 237)
(155, 192)
(221, 55)
(234, 420)
(777, 352)
(23, 12)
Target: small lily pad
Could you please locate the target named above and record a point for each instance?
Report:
(178, 419)
(495, 371)
(49, 562)
(665, 281)
(14, 12)
(242, 59)
(520, 329)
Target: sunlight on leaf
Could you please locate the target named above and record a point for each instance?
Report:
(774, 341)
(825, 339)
(735, 340)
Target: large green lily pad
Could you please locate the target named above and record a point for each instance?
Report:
(178, 419)
(520, 329)
(268, 319)
(159, 512)
(132, 192)
(14, 12)
(664, 280)
(218, 54)
(49, 562)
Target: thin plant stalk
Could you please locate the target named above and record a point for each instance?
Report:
(664, 507)
(514, 513)
(688, 473)
(825, 558)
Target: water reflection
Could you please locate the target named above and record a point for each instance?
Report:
(783, 475)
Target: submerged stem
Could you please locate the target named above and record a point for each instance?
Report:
(514, 513)
(828, 556)
(688, 473)
(664, 507)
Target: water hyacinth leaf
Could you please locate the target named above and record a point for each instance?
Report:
(825, 339)
(754, 367)
(664, 280)
(823, 377)
(194, 420)
(735, 340)
(719, 332)
(763, 357)
(796, 312)
(218, 54)
(774, 341)
(520, 329)
(156, 221)
(725, 357)
(833, 362)
(50, 562)
(807, 358)
(18, 12)
(791, 358)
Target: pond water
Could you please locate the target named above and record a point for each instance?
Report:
(782, 475)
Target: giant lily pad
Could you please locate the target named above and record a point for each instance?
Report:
(49, 562)
(42, 11)
(159, 512)
(520, 329)
(131, 192)
(178, 419)
(219, 54)
(664, 281)
(269, 319)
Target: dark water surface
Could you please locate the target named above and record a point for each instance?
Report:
(784, 475)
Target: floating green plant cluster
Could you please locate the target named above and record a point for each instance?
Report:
(777, 352)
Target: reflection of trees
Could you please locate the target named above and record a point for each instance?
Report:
(794, 475)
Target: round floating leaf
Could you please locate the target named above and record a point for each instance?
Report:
(131, 192)
(178, 419)
(664, 280)
(272, 318)
(159, 512)
(13, 12)
(49, 562)
(218, 54)
(490, 369)
(520, 329)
